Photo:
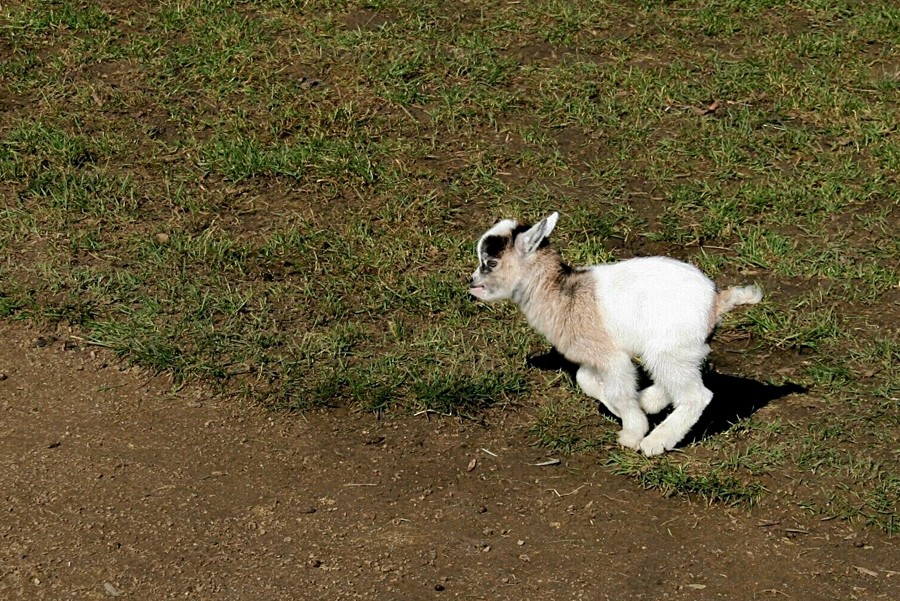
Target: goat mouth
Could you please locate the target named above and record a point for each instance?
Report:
(476, 289)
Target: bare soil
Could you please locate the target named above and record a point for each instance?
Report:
(113, 485)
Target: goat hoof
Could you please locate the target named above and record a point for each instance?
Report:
(650, 447)
(631, 440)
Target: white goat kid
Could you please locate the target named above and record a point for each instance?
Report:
(599, 317)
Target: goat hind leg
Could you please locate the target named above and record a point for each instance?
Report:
(654, 399)
(690, 398)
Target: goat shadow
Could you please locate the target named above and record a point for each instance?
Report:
(734, 397)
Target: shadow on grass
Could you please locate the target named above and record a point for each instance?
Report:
(734, 398)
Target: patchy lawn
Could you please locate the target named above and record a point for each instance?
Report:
(281, 198)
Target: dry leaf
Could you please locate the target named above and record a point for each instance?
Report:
(472, 465)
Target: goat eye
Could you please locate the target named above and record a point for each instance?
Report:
(491, 263)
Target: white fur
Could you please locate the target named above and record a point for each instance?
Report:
(655, 308)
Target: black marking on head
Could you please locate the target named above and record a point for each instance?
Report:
(493, 246)
(520, 229)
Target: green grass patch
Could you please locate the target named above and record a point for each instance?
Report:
(282, 200)
(672, 477)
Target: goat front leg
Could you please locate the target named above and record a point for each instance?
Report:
(590, 383)
(615, 387)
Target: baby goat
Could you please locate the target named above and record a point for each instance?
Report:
(599, 317)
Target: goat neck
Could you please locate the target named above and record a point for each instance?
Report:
(560, 303)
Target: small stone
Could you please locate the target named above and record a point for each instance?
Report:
(438, 587)
(3, 376)
(112, 590)
(162, 237)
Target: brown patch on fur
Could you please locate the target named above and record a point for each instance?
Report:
(726, 301)
(722, 299)
(562, 306)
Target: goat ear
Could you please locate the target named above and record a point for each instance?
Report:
(530, 241)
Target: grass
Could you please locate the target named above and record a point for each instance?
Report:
(673, 477)
(281, 199)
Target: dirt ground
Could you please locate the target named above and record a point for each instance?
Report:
(113, 486)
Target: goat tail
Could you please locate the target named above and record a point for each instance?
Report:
(728, 299)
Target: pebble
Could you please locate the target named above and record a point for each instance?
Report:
(112, 590)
